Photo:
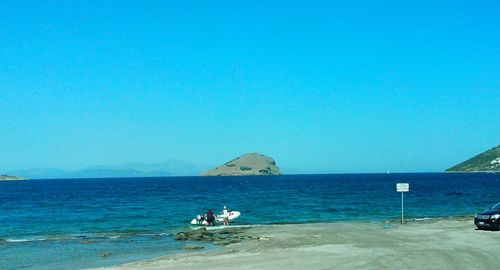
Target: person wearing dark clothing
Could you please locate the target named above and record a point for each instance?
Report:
(210, 217)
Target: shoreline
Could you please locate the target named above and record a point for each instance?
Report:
(442, 243)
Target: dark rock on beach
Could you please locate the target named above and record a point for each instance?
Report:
(105, 254)
(193, 247)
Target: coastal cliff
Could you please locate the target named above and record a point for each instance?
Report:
(488, 161)
(10, 178)
(248, 164)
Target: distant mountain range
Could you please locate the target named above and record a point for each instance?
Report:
(168, 168)
(488, 161)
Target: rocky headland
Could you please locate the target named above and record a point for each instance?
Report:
(248, 164)
(488, 161)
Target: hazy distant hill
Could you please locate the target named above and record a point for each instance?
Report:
(248, 164)
(168, 168)
(488, 161)
(10, 178)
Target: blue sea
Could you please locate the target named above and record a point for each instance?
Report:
(71, 223)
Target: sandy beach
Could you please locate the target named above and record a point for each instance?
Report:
(431, 244)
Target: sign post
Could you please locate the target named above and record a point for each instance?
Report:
(402, 187)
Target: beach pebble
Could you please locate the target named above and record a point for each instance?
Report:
(223, 243)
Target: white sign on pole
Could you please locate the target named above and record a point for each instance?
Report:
(402, 187)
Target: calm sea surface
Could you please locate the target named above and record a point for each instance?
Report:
(70, 223)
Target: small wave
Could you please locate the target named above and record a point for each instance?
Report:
(21, 240)
(422, 219)
(84, 237)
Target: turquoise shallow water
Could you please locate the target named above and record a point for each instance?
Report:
(69, 223)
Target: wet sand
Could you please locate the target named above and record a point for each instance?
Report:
(435, 244)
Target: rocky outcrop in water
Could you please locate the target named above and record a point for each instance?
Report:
(249, 164)
(224, 237)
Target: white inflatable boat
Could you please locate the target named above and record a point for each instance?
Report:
(231, 215)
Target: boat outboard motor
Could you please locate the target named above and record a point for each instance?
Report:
(199, 220)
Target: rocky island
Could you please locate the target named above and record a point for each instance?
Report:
(248, 164)
(10, 178)
(488, 161)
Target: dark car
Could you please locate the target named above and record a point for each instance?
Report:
(489, 219)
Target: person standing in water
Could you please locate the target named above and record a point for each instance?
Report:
(210, 217)
(225, 216)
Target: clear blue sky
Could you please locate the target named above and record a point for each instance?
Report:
(321, 86)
